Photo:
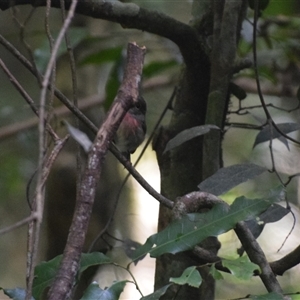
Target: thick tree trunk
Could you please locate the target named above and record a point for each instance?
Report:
(202, 99)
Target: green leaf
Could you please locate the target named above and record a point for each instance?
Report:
(190, 276)
(270, 296)
(187, 135)
(44, 275)
(112, 86)
(45, 272)
(103, 56)
(93, 259)
(157, 294)
(157, 67)
(94, 292)
(184, 234)
(227, 178)
(15, 294)
(216, 274)
(266, 134)
(241, 268)
(273, 214)
(42, 54)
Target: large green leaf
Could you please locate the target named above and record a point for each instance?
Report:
(187, 135)
(94, 292)
(227, 178)
(93, 259)
(184, 234)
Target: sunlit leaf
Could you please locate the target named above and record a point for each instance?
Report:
(190, 276)
(184, 234)
(266, 134)
(94, 292)
(227, 178)
(241, 267)
(157, 294)
(216, 274)
(187, 135)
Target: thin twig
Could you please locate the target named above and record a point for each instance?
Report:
(18, 224)
(25, 95)
(75, 97)
(34, 230)
(259, 91)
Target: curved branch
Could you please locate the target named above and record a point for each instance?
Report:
(287, 262)
(130, 15)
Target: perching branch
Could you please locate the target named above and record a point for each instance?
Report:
(127, 95)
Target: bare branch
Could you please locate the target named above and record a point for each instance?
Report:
(130, 15)
(33, 231)
(127, 95)
(25, 95)
(35, 226)
(287, 262)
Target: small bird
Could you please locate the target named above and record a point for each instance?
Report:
(132, 129)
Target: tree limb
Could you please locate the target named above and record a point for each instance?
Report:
(130, 15)
(126, 97)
